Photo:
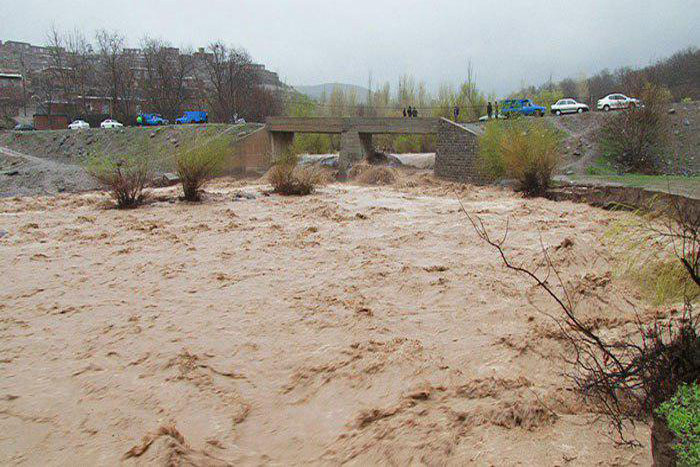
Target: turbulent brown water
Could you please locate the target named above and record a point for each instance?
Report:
(359, 324)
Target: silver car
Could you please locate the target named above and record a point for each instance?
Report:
(617, 101)
(568, 105)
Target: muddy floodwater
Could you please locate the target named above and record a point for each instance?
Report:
(358, 325)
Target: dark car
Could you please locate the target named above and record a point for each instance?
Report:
(193, 116)
(150, 120)
(24, 127)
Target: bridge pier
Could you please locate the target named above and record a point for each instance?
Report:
(354, 147)
(280, 142)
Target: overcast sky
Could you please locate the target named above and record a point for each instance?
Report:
(510, 42)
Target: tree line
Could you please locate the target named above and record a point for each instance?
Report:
(154, 78)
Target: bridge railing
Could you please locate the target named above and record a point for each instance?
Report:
(374, 125)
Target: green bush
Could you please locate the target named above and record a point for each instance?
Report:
(682, 415)
(124, 176)
(490, 157)
(196, 164)
(523, 149)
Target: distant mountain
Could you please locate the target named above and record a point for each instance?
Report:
(316, 91)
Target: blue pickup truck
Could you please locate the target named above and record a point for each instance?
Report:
(193, 116)
(521, 107)
(150, 120)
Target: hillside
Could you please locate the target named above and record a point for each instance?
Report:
(47, 162)
(582, 156)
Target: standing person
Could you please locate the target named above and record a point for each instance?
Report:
(415, 112)
(410, 111)
(456, 112)
(489, 110)
(404, 112)
(496, 109)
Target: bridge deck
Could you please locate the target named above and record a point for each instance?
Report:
(373, 125)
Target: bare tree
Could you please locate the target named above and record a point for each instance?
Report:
(261, 104)
(11, 100)
(25, 70)
(72, 67)
(116, 71)
(80, 70)
(232, 81)
(568, 88)
(51, 80)
(166, 74)
(627, 378)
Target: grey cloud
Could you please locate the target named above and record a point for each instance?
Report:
(309, 41)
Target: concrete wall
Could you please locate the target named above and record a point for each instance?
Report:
(250, 153)
(456, 153)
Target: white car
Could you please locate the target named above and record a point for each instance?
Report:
(79, 125)
(109, 123)
(617, 101)
(568, 105)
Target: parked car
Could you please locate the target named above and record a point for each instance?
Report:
(617, 101)
(109, 123)
(151, 120)
(79, 125)
(193, 116)
(568, 105)
(511, 107)
(24, 127)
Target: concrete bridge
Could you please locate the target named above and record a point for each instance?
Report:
(456, 145)
(355, 132)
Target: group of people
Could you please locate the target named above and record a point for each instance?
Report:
(411, 112)
(490, 110)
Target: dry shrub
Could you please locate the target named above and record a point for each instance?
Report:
(124, 176)
(290, 179)
(200, 162)
(366, 174)
(636, 139)
(523, 149)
